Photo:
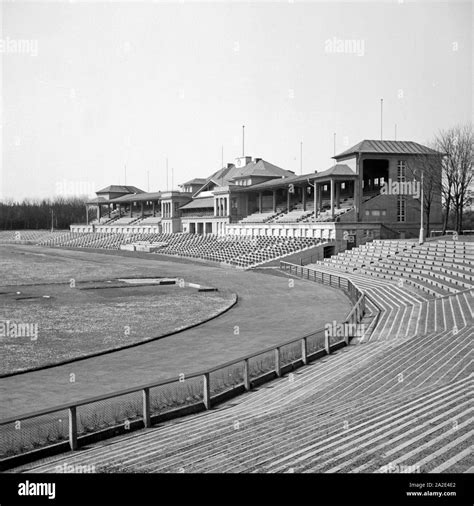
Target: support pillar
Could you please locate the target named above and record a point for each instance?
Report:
(259, 202)
(357, 189)
(274, 201)
(288, 199)
(146, 407)
(332, 198)
(303, 189)
(72, 428)
(142, 209)
(338, 195)
(154, 208)
(99, 211)
(315, 197)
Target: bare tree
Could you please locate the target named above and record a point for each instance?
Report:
(431, 168)
(458, 145)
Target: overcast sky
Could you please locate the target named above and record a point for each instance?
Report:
(88, 88)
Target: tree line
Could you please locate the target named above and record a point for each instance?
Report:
(42, 214)
(454, 182)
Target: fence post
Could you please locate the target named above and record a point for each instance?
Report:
(327, 344)
(277, 362)
(246, 374)
(207, 390)
(304, 351)
(73, 428)
(347, 330)
(146, 407)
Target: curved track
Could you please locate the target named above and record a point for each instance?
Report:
(270, 310)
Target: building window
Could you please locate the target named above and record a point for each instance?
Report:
(401, 209)
(343, 186)
(401, 170)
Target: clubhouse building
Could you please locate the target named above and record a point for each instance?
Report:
(372, 190)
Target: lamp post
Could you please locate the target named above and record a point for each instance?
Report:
(421, 239)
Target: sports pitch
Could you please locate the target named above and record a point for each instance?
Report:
(78, 322)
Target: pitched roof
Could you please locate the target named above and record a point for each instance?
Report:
(339, 169)
(225, 176)
(387, 147)
(262, 168)
(137, 197)
(98, 200)
(196, 180)
(120, 189)
(202, 203)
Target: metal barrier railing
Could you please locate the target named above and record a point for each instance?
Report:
(69, 422)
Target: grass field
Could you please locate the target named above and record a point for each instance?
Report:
(71, 320)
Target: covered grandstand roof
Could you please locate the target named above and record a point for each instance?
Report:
(98, 200)
(339, 170)
(387, 147)
(137, 197)
(120, 189)
(202, 203)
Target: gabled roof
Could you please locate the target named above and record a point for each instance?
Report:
(195, 181)
(225, 176)
(262, 168)
(387, 147)
(340, 169)
(120, 189)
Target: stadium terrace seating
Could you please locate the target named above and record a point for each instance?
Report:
(363, 424)
(149, 220)
(126, 220)
(241, 252)
(33, 236)
(263, 217)
(258, 217)
(325, 215)
(295, 215)
(436, 267)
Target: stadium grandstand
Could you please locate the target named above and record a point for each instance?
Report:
(391, 393)
(252, 211)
